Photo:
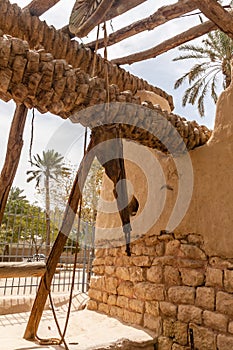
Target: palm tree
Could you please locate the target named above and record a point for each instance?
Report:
(213, 56)
(48, 167)
(16, 195)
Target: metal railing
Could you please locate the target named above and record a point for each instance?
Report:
(23, 238)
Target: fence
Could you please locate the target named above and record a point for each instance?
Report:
(23, 237)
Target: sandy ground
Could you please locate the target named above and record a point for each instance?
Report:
(87, 330)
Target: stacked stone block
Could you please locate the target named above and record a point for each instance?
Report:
(169, 286)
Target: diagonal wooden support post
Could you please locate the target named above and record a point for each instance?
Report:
(14, 148)
(57, 249)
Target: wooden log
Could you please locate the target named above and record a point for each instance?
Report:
(167, 45)
(217, 14)
(121, 6)
(57, 249)
(86, 15)
(38, 7)
(58, 88)
(161, 16)
(14, 147)
(21, 24)
(118, 8)
(22, 269)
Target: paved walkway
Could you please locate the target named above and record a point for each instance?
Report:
(88, 330)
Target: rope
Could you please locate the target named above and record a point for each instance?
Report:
(56, 341)
(105, 63)
(32, 136)
(96, 49)
(76, 250)
(52, 341)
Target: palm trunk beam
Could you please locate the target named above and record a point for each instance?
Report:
(217, 14)
(167, 45)
(21, 24)
(161, 16)
(74, 90)
(14, 147)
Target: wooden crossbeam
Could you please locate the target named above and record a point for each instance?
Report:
(22, 269)
(121, 6)
(217, 14)
(38, 7)
(118, 8)
(21, 24)
(167, 45)
(161, 16)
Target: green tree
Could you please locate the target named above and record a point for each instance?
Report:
(213, 61)
(91, 193)
(49, 167)
(22, 223)
(16, 195)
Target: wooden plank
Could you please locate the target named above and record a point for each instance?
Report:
(57, 249)
(22, 269)
(167, 45)
(217, 14)
(38, 7)
(161, 16)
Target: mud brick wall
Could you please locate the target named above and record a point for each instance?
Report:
(169, 286)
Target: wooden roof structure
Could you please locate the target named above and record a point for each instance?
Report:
(42, 67)
(45, 79)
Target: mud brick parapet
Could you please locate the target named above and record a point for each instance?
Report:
(169, 286)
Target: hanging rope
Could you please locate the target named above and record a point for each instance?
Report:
(76, 249)
(56, 341)
(105, 63)
(96, 49)
(32, 136)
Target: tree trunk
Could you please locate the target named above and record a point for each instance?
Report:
(226, 71)
(14, 147)
(47, 213)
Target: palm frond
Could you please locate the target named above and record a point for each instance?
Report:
(213, 88)
(180, 81)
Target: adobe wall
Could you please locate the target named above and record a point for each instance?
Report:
(168, 286)
(179, 278)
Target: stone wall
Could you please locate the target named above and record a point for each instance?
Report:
(170, 287)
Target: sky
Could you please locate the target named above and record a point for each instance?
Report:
(160, 71)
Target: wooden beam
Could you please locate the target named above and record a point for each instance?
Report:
(217, 14)
(121, 6)
(161, 16)
(118, 8)
(22, 269)
(167, 45)
(13, 153)
(57, 249)
(13, 21)
(38, 7)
